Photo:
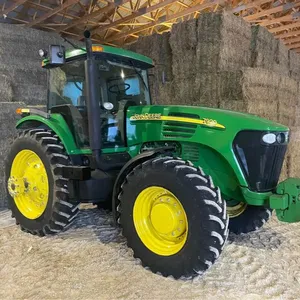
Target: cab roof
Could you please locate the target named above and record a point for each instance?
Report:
(108, 52)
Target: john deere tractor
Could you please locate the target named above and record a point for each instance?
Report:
(177, 178)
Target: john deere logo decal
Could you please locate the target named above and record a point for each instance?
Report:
(159, 117)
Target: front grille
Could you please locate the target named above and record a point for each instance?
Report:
(172, 129)
(261, 163)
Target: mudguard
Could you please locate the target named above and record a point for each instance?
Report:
(128, 167)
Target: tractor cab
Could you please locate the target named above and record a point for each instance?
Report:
(121, 81)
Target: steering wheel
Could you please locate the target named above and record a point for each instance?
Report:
(115, 89)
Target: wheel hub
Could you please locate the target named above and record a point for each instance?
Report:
(160, 221)
(167, 218)
(28, 184)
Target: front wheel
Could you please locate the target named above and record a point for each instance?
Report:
(38, 193)
(173, 217)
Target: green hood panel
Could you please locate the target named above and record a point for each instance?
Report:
(216, 129)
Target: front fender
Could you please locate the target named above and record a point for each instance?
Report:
(130, 165)
(57, 124)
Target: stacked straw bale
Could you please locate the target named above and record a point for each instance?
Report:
(6, 92)
(288, 101)
(19, 60)
(160, 51)
(282, 59)
(294, 65)
(211, 43)
(263, 48)
(293, 153)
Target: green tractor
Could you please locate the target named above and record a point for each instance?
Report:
(177, 178)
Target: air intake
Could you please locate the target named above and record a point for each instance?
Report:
(179, 129)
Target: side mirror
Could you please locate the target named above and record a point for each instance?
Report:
(57, 55)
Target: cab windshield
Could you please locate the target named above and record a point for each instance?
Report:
(120, 86)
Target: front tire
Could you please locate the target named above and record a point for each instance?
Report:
(38, 193)
(173, 217)
(245, 218)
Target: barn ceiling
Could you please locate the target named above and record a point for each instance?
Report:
(122, 21)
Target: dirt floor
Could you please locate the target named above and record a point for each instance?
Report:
(91, 261)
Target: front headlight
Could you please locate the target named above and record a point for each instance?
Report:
(269, 138)
(275, 137)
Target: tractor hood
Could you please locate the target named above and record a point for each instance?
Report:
(205, 117)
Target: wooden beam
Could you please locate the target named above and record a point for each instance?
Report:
(294, 46)
(12, 7)
(249, 5)
(291, 41)
(288, 34)
(138, 13)
(268, 12)
(285, 27)
(52, 12)
(47, 8)
(165, 19)
(94, 14)
(286, 18)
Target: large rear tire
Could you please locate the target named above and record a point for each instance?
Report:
(173, 217)
(245, 218)
(38, 193)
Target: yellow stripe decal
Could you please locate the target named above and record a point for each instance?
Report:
(159, 117)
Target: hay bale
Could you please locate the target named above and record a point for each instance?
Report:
(209, 88)
(186, 91)
(282, 63)
(297, 115)
(264, 48)
(156, 47)
(288, 91)
(5, 89)
(294, 65)
(230, 35)
(213, 42)
(233, 105)
(293, 146)
(287, 101)
(260, 84)
(293, 153)
(263, 109)
(165, 94)
(30, 94)
(19, 60)
(260, 90)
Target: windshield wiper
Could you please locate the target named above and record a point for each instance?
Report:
(138, 73)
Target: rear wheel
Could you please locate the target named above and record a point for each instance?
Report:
(245, 218)
(173, 217)
(38, 194)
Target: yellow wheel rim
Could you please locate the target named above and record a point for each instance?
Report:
(236, 210)
(160, 221)
(28, 184)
